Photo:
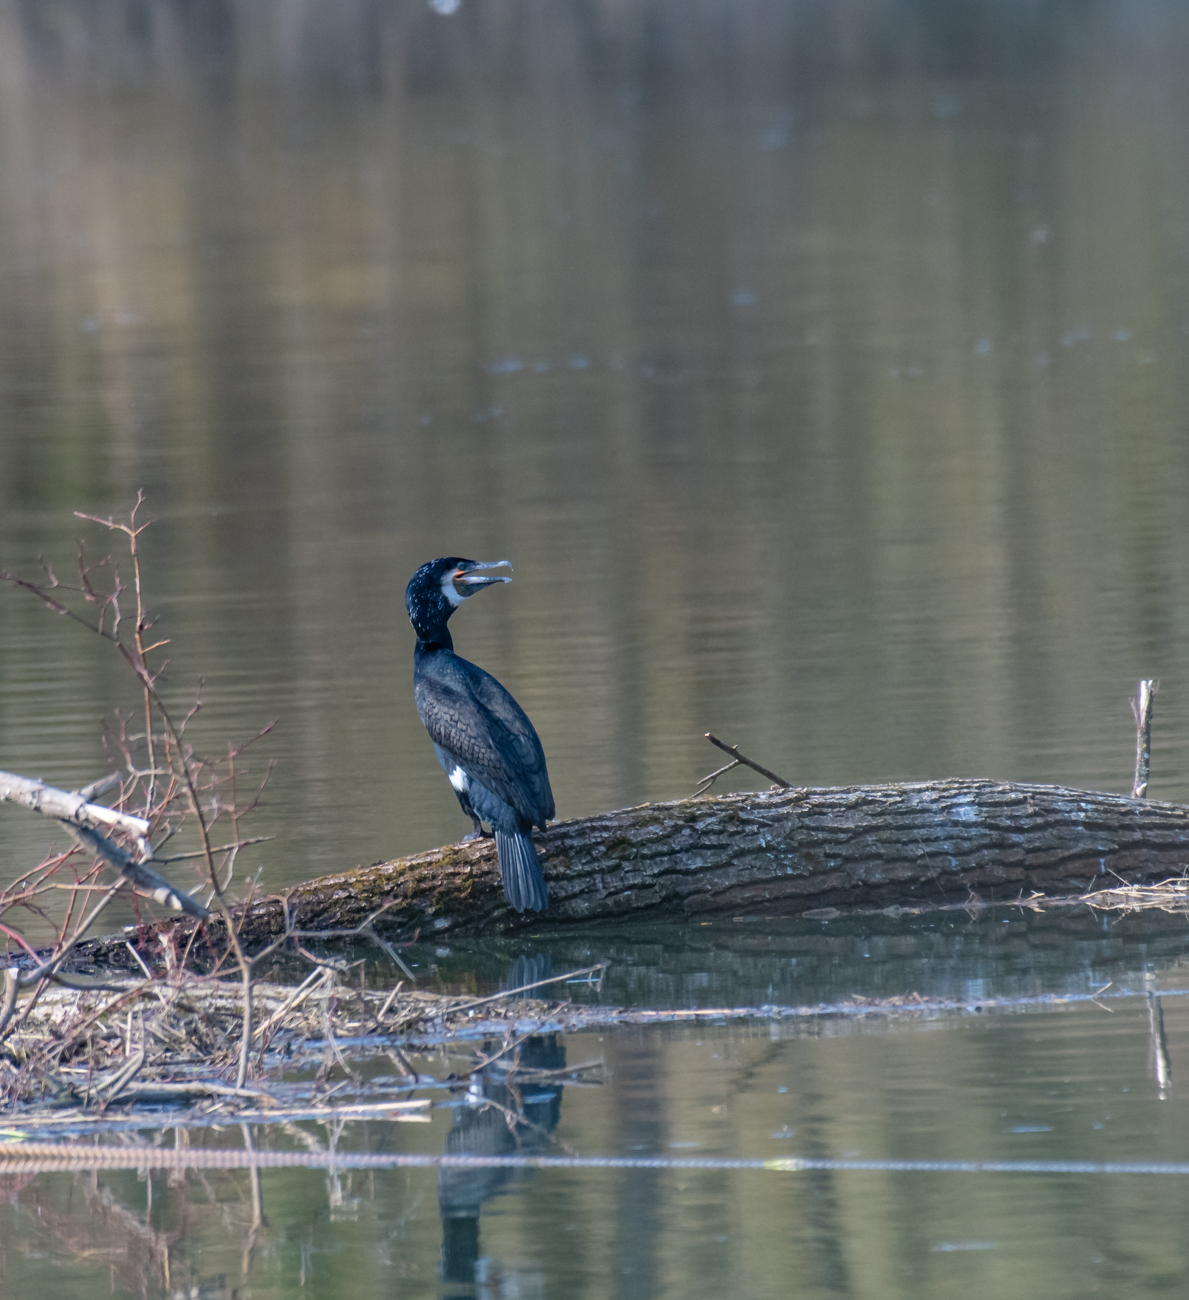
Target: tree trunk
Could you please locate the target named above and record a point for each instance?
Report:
(777, 853)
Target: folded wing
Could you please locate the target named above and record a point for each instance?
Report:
(478, 723)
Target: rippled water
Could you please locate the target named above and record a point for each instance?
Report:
(819, 366)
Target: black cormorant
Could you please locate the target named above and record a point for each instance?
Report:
(484, 742)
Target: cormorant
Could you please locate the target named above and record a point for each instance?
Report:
(484, 742)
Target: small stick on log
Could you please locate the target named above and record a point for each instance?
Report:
(1142, 709)
(733, 750)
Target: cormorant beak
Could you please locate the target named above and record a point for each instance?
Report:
(466, 581)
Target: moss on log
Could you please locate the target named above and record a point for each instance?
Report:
(775, 853)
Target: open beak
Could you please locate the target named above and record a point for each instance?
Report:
(467, 580)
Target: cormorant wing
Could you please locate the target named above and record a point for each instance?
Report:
(478, 723)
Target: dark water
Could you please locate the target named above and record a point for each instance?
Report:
(821, 369)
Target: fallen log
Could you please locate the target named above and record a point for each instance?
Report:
(780, 852)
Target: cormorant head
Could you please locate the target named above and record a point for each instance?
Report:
(437, 589)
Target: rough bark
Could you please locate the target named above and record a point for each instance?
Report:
(776, 853)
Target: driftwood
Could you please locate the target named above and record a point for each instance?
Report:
(71, 806)
(774, 853)
(84, 819)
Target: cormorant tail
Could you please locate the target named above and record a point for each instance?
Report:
(524, 885)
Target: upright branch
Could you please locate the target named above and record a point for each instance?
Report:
(138, 656)
(1141, 707)
(89, 824)
(175, 785)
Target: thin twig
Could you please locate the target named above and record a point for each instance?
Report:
(303, 990)
(524, 988)
(96, 788)
(388, 1001)
(65, 946)
(517, 1119)
(222, 848)
(512, 1042)
(365, 929)
(733, 750)
(709, 779)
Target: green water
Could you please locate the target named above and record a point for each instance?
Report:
(820, 368)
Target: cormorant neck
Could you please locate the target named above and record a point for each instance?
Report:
(437, 638)
(429, 612)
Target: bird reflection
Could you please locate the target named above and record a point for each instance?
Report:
(509, 1108)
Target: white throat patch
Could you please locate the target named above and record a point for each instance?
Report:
(449, 591)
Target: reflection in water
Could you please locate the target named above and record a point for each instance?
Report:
(508, 1108)
(979, 1086)
(1001, 953)
(256, 1224)
(101, 1218)
(1159, 1062)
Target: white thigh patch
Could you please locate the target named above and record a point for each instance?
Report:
(459, 780)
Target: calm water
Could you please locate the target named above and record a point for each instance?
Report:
(1073, 1082)
(821, 369)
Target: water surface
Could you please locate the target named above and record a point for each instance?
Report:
(820, 367)
(1072, 1082)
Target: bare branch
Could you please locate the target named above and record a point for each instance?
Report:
(141, 876)
(707, 781)
(1141, 708)
(733, 750)
(105, 783)
(66, 807)
(42, 594)
(222, 848)
(524, 988)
